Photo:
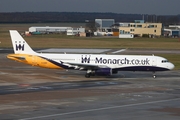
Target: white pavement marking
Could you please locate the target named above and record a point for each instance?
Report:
(98, 109)
(119, 51)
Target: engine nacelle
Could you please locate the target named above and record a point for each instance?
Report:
(104, 71)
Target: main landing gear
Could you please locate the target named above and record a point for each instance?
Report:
(88, 74)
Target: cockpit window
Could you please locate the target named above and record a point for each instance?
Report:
(165, 61)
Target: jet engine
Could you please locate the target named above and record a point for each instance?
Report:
(104, 71)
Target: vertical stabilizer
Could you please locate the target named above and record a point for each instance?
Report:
(19, 44)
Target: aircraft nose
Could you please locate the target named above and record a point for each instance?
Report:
(171, 66)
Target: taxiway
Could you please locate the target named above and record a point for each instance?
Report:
(31, 93)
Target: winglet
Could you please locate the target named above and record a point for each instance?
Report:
(19, 44)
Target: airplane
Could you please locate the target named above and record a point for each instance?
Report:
(93, 64)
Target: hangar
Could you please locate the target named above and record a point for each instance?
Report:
(48, 29)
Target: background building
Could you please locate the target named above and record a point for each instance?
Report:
(76, 31)
(172, 31)
(104, 27)
(48, 29)
(104, 23)
(139, 28)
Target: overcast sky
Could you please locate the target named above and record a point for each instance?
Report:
(158, 7)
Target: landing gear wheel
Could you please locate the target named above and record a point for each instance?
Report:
(87, 75)
(154, 76)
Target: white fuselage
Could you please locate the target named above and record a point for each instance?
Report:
(119, 62)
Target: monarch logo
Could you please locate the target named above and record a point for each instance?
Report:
(19, 46)
(85, 59)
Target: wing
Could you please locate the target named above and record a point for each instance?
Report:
(83, 66)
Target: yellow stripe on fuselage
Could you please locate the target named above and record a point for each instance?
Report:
(33, 60)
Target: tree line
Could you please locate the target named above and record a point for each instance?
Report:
(48, 17)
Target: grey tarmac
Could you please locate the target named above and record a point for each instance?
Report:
(31, 93)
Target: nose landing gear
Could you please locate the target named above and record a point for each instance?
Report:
(154, 75)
